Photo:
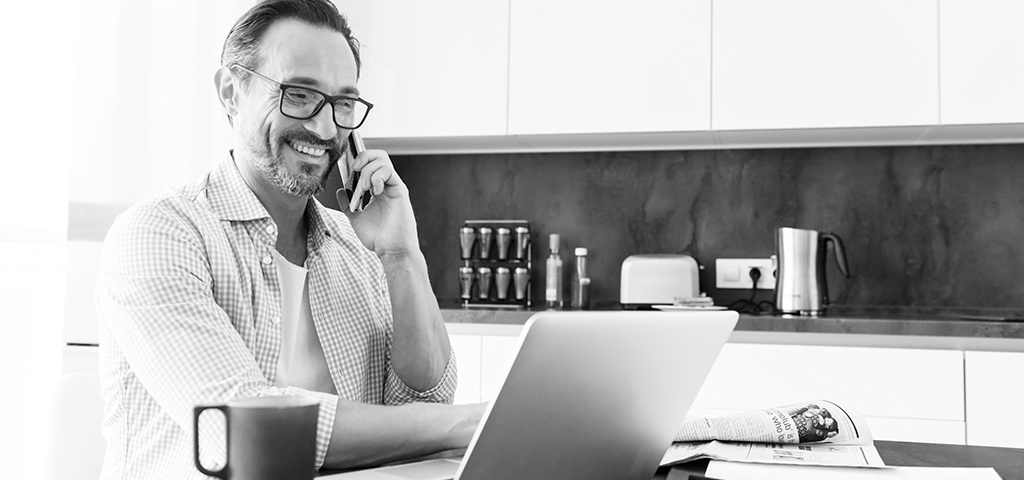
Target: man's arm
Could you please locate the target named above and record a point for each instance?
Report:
(420, 350)
(376, 434)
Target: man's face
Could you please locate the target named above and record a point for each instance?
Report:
(295, 155)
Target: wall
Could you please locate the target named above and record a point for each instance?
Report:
(927, 228)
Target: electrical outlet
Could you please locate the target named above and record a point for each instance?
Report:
(735, 273)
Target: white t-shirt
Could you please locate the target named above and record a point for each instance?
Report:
(302, 362)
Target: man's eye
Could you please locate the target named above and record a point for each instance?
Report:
(300, 96)
(345, 103)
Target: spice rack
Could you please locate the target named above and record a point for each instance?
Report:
(497, 263)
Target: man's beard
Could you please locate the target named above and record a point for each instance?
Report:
(268, 158)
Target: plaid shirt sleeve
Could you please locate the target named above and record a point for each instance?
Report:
(157, 303)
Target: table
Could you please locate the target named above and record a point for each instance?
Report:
(1008, 462)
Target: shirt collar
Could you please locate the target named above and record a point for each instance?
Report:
(319, 231)
(230, 198)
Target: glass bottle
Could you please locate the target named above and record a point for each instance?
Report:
(580, 293)
(553, 295)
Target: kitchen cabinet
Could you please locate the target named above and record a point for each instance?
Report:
(981, 44)
(806, 64)
(432, 67)
(498, 353)
(485, 354)
(904, 394)
(993, 392)
(80, 359)
(573, 75)
(467, 354)
(580, 66)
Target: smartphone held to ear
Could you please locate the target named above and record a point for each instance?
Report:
(349, 182)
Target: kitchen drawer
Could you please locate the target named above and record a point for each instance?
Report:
(877, 382)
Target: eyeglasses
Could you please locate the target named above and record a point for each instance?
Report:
(303, 103)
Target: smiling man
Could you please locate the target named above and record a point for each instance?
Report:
(242, 284)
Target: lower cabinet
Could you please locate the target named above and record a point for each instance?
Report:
(994, 390)
(914, 395)
(484, 360)
(467, 350)
(904, 394)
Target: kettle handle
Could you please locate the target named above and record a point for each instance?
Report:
(837, 244)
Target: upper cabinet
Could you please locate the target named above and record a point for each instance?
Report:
(793, 64)
(583, 66)
(981, 46)
(432, 67)
(465, 76)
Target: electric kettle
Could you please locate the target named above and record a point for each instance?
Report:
(800, 286)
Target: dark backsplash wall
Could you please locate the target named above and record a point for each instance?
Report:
(938, 226)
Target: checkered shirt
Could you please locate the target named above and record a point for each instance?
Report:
(190, 306)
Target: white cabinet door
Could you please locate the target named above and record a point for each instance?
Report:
(497, 354)
(432, 67)
(814, 64)
(80, 359)
(982, 60)
(994, 390)
(914, 430)
(878, 382)
(467, 354)
(584, 66)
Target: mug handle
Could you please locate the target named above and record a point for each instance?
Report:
(222, 473)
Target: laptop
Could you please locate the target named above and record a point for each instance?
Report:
(595, 395)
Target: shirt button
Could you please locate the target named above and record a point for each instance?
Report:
(276, 319)
(270, 229)
(267, 260)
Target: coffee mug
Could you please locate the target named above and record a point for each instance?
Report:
(268, 438)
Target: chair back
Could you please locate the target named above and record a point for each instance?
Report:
(75, 445)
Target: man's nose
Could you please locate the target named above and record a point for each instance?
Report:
(322, 124)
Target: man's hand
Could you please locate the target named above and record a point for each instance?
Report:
(387, 225)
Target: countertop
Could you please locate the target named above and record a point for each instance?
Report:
(891, 326)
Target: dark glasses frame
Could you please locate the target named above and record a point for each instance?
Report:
(327, 99)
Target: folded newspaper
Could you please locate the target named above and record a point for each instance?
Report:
(810, 433)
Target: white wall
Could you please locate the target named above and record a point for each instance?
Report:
(105, 102)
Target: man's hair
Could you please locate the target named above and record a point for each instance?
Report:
(242, 45)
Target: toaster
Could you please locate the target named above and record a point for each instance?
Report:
(658, 279)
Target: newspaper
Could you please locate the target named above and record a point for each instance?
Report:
(819, 432)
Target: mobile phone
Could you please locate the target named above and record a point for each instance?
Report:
(355, 147)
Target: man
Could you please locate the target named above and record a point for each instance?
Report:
(242, 284)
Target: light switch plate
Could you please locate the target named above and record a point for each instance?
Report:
(735, 273)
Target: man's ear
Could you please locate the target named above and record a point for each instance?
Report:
(227, 91)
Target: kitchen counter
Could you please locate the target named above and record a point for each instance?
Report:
(861, 326)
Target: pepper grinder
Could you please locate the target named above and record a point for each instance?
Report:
(501, 280)
(486, 237)
(484, 287)
(521, 279)
(504, 240)
(467, 236)
(466, 282)
(522, 242)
